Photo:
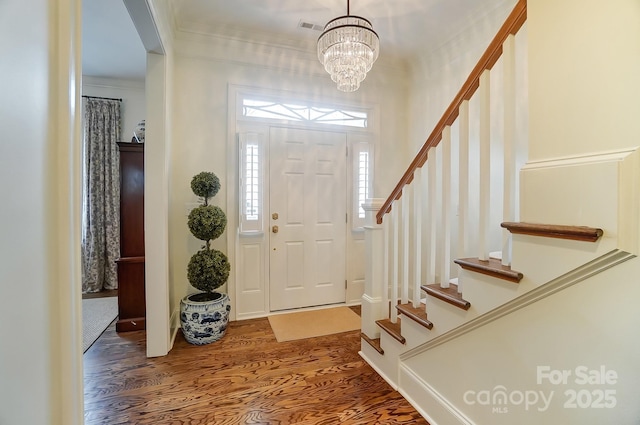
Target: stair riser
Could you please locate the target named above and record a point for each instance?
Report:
(554, 257)
(446, 316)
(486, 293)
(414, 333)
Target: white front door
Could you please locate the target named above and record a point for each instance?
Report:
(307, 217)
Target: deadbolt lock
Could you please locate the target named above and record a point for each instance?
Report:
(274, 216)
(274, 229)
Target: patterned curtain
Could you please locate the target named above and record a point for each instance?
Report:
(101, 195)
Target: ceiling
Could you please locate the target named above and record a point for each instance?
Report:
(112, 47)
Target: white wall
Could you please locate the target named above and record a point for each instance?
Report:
(40, 320)
(205, 66)
(439, 72)
(584, 79)
(132, 93)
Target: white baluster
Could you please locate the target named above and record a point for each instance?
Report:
(509, 202)
(445, 243)
(485, 164)
(396, 214)
(463, 179)
(419, 177)
(406, 221)
(386, 226)
(432, 216)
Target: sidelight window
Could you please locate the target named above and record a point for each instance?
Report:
(251, 171)
(362, 180)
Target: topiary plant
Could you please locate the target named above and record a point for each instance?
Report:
(208, 268)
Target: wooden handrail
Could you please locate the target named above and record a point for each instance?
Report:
(511, 26)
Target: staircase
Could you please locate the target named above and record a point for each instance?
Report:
(448, 290)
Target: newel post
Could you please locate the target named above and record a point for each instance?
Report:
(374, 281)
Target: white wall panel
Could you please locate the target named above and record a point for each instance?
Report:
(295, 252)
(251, 295)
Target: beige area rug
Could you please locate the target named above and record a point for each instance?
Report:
(97, 315)
(309, 324)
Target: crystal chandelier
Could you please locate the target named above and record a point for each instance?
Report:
(347, 48)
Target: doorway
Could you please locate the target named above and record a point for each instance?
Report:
(307, 218)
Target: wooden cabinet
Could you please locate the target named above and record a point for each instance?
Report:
(131, 298)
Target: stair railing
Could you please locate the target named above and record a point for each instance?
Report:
(421, 202)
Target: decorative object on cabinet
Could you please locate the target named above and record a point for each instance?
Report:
(138, 133)
(131, 285)
(204, 316)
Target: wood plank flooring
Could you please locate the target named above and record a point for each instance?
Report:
(245, 378)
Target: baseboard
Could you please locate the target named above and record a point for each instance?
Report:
(433, 406)
(247, 316)
(261, 314)
(175, 325)
(378, 370)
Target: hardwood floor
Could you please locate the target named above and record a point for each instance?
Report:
(245, 378)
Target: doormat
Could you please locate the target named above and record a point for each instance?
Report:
(309, 324)
(97, 315)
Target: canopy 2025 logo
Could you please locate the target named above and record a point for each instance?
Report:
(587, 390)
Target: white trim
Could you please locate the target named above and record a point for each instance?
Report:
(589, 158)
(64, 164)
(158, 90)
(113, 83)
(175, 325)
(143, 19)
(260, 315)
(156, 209)
(376, 368)
(417, 384)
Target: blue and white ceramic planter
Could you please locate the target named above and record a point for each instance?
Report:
(204, 322)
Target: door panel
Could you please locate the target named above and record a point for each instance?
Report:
(308, 194)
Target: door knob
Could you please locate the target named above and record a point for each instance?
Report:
(274, 216)
(274, 229)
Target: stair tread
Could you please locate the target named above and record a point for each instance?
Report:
(419, 314)
(491, 267)
(579, 233)
(450, 295)
(392, 329)
(374, 342)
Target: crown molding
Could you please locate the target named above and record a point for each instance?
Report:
(113, 83)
